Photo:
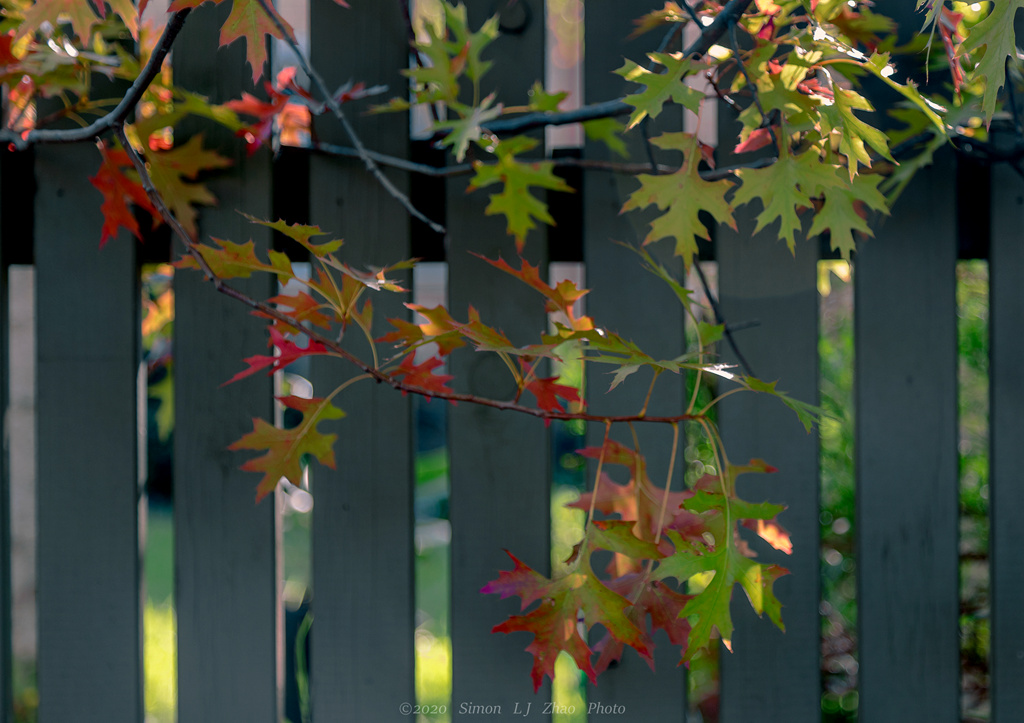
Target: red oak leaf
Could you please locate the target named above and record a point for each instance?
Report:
(285, 447)
(422, 375)
(119, 190)
(548, 390)
(289, 352)
(758, 138)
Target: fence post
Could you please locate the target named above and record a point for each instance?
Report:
(226, 547)
(363, 517)
(906, 447)
(774, 676)
(1006, 499)
(500, 495)
(649, 315)
(90, 662)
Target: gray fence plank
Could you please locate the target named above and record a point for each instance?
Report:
(907, 485)
(363, 519)
(499, 468)
(771, 675)
(1006, 428)
(226, 547)
(6, 561)
(648, 314)
(90, 665)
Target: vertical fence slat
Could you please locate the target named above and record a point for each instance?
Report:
(6, 559)
(499, 469)
(649, 315)
(87, 360)
(362, 518)
(771, 675)
(906, 452)
(1006, 428)
(226, 547)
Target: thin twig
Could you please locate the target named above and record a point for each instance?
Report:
(718, 318)
(566, 162)
(335, 107)
(115, 118)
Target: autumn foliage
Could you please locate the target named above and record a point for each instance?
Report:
(810, 158)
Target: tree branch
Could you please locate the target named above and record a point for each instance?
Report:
(710, 35)
(114, 120)
(466, 168)
(335, 349)
(335, 107)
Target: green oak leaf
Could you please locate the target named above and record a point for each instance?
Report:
(996, 34)
(784, 187)
(469, 126)
(515, 201)
(842, 216)
(661, 87)
(682, 196)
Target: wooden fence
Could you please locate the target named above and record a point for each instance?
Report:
(230, 644)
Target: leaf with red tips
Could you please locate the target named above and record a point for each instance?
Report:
(285, 447)
(554, 623)
(249, 19)
(289, 352)
(561, 296)
(422, 375)
(653, 598)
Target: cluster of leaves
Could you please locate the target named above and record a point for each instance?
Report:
(793, 70)
(690, 536)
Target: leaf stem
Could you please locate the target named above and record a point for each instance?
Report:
(597, 478)
(668, 481)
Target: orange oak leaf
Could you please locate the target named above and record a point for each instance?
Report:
(174, 173)
(288, 352)
(285, 447)
(301, 307)
(560, 297)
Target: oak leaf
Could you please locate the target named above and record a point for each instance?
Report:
(118, 182)
(661, 87)
(682, 196)
(284, 448)
(288, 351)
(554, 622)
